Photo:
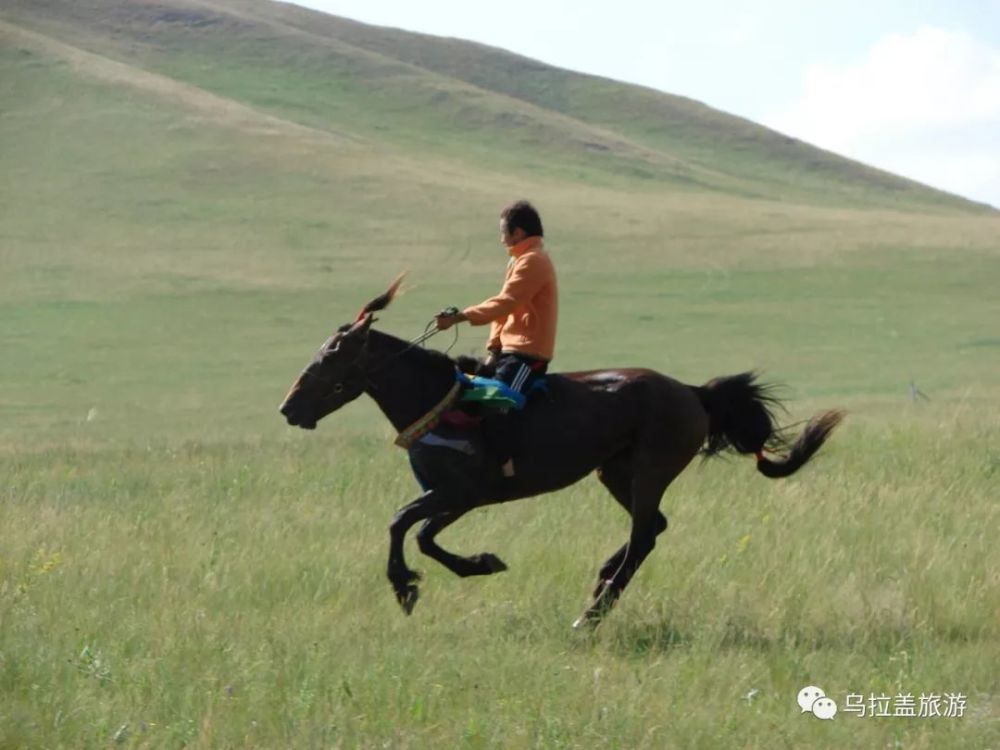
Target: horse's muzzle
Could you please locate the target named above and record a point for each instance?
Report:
(296, 420)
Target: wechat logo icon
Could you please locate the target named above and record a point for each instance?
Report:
(813, 700)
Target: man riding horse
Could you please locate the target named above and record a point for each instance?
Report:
(636, 427)
(522, 317)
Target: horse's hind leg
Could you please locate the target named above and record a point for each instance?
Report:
(482, 564)
(653, 467)
(616, 475)
(645, 498)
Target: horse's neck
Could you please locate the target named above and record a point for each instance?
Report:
(405, 383)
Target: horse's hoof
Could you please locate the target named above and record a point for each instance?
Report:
(588, 620)
(604, 599)
(408, 598)
(493, 563)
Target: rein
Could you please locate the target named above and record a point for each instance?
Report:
(337, 387)
(428, 333)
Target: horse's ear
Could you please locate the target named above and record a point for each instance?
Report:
(361, 325)
(382, 301)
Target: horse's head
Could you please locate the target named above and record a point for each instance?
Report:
(337, 374)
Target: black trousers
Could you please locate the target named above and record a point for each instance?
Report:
(519, 372)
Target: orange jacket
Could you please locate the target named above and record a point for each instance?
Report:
(523, 315)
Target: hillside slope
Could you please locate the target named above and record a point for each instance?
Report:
(469, 103)
(188, 193)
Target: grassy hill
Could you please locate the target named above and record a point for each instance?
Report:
(170, 164)
(472, 103)
(192, 194)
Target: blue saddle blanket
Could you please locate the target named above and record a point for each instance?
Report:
(495, 393)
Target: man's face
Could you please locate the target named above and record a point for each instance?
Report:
(509, 239)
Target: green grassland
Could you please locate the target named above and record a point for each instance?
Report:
(194, 194)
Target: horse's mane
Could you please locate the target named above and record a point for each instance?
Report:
(429, 355)
(463, 362)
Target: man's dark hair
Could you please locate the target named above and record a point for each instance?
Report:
(522, 215)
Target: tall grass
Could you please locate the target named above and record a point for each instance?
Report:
(232, 595)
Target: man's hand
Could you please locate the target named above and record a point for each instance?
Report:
(446, 320)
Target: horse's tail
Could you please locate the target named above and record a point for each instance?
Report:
(741, 418)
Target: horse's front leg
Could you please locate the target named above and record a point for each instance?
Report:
(401, 577)
(485, 563)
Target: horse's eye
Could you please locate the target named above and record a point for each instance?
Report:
(337, 388)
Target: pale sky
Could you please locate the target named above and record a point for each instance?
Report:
(911, 86)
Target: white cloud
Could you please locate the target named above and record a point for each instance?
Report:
(926, 105)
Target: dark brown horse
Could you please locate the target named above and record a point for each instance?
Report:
(636, 427)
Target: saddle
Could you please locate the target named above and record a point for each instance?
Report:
(460, 427)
